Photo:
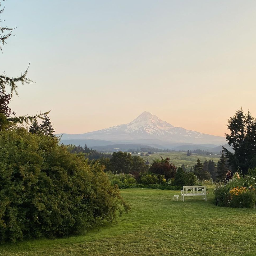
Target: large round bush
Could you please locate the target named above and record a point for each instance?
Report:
(45, 191)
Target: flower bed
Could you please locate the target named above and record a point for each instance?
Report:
(237, 193)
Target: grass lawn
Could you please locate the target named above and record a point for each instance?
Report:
(157, 225)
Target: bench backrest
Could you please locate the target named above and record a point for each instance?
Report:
(194, 190)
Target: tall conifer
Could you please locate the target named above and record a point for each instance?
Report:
(242, 139)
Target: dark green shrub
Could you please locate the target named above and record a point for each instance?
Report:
(150, 178)
(222, 196)
(183, 178)
(190, 179)
(122, 180)
(45, 191)
(252, 173)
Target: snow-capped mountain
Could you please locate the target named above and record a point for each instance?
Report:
(148, 127)
(148, 124)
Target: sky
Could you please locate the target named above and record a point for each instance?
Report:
(97, 64)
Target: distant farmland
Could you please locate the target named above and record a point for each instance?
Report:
(179, 158)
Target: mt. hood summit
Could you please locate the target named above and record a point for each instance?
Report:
(149, 127)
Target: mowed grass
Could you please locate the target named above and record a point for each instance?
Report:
(158, 225)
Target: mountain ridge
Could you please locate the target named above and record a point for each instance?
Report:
(148, 127)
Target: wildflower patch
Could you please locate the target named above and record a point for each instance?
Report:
(238, 193)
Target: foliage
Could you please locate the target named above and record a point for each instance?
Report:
(156, 177)
(252, 172)
(5, 32)
(183, 178)
(200, 152)
(180, 158)
(222, 168)
(44, 128)
(200, 172)
(154, 181)
(4, 103)
(122, 162)
(122, 180)
(157, 225)
(47, 191)
(238, 192)
(242, 139)
(151, 178)
(90, 154)
(78, 149)
(242, 197)
(8, 87)
(163, 167)
(212, 169)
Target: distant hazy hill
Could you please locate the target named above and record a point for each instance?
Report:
(146, 129)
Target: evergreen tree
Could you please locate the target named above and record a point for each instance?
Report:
(9, 85)
(4, 103)
(34, 127)
(5, 110)
(90, 154)
(242, 139)
(212, 169)
(5, 32)
(198, 169)
(180, 178)
(200, 172)
(222, 168)
(205, 166)
(46, 126)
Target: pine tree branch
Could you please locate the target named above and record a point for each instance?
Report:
(26, 119)
(11, 82)
(4, 30)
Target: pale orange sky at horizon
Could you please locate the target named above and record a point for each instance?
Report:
(177, 122)
(98, 64)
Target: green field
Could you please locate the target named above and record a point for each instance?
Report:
(179, 158)
(157, 225)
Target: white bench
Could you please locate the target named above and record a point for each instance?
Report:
(193, 191)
